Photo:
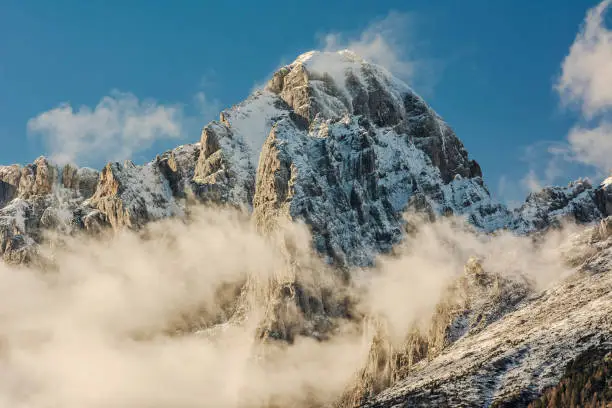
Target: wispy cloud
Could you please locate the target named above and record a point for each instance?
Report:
(207, 108)
(593, 145)
(388, 41)
(531, 181)
(118, 127)
(383, 42)
(585, 79)
(586, 82)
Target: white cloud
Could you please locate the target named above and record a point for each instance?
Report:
(382, 42)
(586, 77)
(207, 108)
(115, 129)
(531, 181)
(586, 81)
(118, 127)
(128, 321)
(592, 146)
(385, 41)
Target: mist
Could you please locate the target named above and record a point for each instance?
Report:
(171, 316)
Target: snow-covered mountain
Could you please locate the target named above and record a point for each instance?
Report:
(342, 145)
(332, 140)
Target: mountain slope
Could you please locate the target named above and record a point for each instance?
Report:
(340, 144)
(516, 358)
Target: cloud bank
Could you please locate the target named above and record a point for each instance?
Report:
(129, 321)
(146, 320)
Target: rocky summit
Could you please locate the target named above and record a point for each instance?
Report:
(343, 146)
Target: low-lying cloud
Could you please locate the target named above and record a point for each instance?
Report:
(126, 322)
(146, 320)
(406, 287)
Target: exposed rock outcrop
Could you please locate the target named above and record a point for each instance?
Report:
(42, 196)
(219, 178)
(331, 85)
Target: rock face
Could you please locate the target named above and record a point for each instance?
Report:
(356, 149)
(29, 204)
(41, 196)
(579, 202)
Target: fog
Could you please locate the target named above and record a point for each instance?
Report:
(170, 316)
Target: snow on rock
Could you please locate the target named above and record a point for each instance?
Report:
(252, 120)
(330, 85)
(65, 200)
(131, 195)
(604, 195)
(178, 167)
(352, 186)
(552, 205)
(516, 357)
(360, 148)
(348, 149)
(230, 149)
(15, 215)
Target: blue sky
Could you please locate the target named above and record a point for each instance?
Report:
(488, 67)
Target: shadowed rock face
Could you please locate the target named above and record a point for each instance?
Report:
(579, 202)
(7, 192)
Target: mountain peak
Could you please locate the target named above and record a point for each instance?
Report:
(342, 56)
(333, 84)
